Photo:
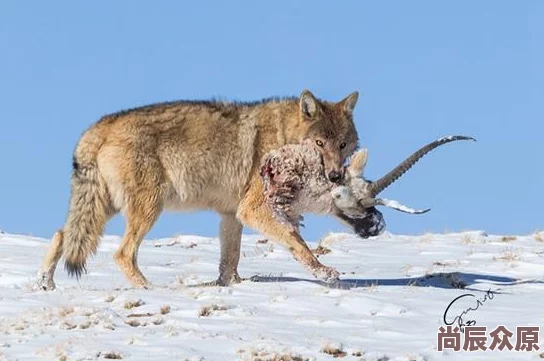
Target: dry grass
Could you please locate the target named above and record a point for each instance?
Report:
(165, 309)
(372, 286)
(133, 304)
(207, 311)
(109, 326)
(508, 256)
(171, 331)
(426, 238)
(65, 311)
(133, 322)
(357, 353)
(177, 240)
(85, 325)
(321, 250)
(147, 314)
(446, 263)
(333, 350)
(67, 326)
(473, 239)
(157, 321)
(263, 355)
(508, 238)
(539, 236)
(407, 268)
(114, 355)
(332, 238)
(412, 357)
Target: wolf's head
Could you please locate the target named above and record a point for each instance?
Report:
(330, 129)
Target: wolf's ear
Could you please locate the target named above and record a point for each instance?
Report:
(308, 105)
(349, 103)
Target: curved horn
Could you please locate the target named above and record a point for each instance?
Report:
(378, 186)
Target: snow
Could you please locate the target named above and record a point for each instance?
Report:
(450, 138)
(389, 305)
(400, 207)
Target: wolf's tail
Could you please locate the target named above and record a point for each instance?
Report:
(90, 207)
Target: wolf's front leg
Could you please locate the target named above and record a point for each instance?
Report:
(230, 235)
(255, 213)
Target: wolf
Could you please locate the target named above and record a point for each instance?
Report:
(193, 155)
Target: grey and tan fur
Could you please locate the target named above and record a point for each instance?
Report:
(191, 155)
(295, 183)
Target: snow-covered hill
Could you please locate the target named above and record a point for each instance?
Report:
(390, 304)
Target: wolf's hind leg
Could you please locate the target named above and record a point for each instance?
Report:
(141, 214)
(46, 273)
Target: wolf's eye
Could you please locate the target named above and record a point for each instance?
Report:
(319, 143)
(343, 145)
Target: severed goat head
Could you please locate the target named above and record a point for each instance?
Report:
(357, 193)
(295, 183)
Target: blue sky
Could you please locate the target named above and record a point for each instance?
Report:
(424, 69)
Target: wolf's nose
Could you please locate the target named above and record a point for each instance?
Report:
(335, 176)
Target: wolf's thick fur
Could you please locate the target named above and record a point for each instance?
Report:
(190, 155)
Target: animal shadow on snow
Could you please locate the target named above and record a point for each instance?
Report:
(451, 280)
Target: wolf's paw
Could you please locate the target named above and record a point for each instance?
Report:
(45, 282)
(224, 281)
(326, 273)
(228, 280)
(146, 286)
